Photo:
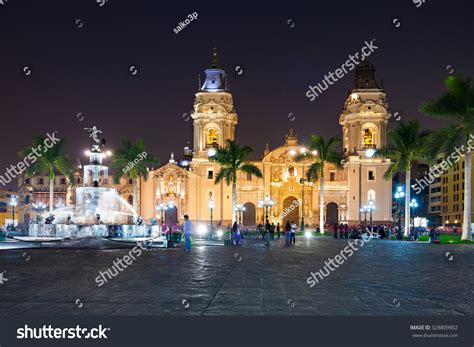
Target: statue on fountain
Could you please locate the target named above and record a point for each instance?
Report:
(139, 221)
(49, 219)
(93, 133)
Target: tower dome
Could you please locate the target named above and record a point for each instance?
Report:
(215, 77)
(365, 76)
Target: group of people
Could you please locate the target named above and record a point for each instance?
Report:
(269, 229)
(343, 231)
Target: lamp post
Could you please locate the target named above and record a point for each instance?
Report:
(399, 195)
(413, 205)
(303, 153)
(13, 204)
(162, 208)
(240, 211)
(371, 208)
(39, 208)
(170, 207)
(211, 207)
(267, 202)
(364, 211)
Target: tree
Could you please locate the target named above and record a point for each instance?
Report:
(132, 161)
(233, 159)
(408, 144)
(321, 152)
(457, 105)
(47, 162)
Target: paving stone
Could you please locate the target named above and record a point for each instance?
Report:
(382, 278)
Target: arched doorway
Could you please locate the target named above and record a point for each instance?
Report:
(291, 211)
(171, 215)
(332, 213)
(249, 215)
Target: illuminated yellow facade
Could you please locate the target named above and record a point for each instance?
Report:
(191, 189)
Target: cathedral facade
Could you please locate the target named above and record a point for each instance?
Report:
(188, 184)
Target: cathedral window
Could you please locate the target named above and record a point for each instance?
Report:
(368, 138)
(249, 176)
(332, 176)
(371, 195)
(371, 176)
(291, 171)
(212, 138)
(210, 174)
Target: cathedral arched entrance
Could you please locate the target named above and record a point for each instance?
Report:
(171, 215)
(291, 211)
(249, 215)
(332, 212)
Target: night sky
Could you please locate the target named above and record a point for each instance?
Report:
(79, 55)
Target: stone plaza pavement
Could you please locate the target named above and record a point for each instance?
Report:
(381, 278)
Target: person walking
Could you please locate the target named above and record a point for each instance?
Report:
(287, 232)
(187, 233)
(238, 235)
(278, 230)
(272, 231)
(233, 232)
(293, 232)
(266, 229)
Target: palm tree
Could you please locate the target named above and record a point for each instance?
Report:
(457, 105)
(132, 160)
(233, 159)
(321, 152)
(50, 160)
(408, 144)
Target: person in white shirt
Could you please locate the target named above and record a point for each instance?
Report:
(293, 231)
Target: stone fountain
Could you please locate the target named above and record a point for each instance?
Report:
(99, 211)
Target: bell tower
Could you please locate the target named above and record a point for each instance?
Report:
(364, 121)
(214, 116)
(365, 114)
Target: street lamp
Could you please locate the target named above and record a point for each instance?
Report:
(39, 208)
(371, 208)
(211, 207)
(267, 202)
(399, 195)
(413, 205)
(364, 211)
(368, 209)
(13, 204)
(240, 211)
(162, 208)
(303, 153)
